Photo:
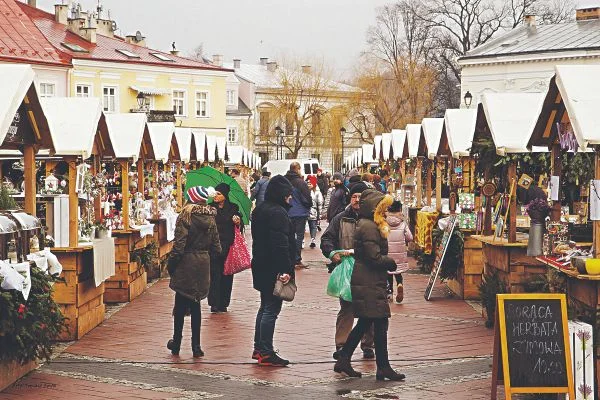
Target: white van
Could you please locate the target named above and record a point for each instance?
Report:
(280, 167)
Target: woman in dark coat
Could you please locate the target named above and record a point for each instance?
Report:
(228, 216)
(369, 284)
(273, 257)
(189, 264)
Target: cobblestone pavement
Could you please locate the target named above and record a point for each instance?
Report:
(441, 345)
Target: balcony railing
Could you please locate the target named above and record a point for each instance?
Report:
(156, 115)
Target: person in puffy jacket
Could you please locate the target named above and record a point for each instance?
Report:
(299, 207)
(337, 199)
(196, 240)
(273, 255)
(400, 235)
(315, 210)
(369, 285)
(260, 188)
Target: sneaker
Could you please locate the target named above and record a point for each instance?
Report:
(336, 355)
(368, 354)
(272, 360)
(214, 310)
(313, 244)
(400, 293)
(255, 354)
(224, 309)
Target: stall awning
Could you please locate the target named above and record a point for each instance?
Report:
(398, 142)
(386, 145)
(211, 148)
(413, 135)
(150, 90)
(367, 153)
(200, 139)
(161, 136)
(15, 81)
(221, 144)
(511, 118)
(377, 147)
(235, 154)
(460, 129)
(250, 159)
(184, 143)
(432, 129)
(579, 87)
(73, 123)
(126, 132)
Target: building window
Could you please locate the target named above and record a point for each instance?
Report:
(179, 102)
(83, 91)
(109, 98)
(231, 97)
(264, 123)
(47, 89)
(232, 134)
(201, 104)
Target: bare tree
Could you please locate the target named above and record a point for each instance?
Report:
(197, 53)
(548, 11)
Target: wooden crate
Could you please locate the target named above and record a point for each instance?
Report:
(126, 284)
(78, 297)
(12, 371)
(466, 285)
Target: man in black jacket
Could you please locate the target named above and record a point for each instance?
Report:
(273, 254)
(337, 201)
(322, 182)
(300, 207)
(339, 235)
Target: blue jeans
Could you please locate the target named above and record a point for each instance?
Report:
(270, 307)
(299, 227)
(312, 227)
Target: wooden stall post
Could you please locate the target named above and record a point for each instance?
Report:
(96, 168)
(596, 232)
(428, 185)
(512, 212)
(556, 168)
(29, 177)
(419, 182)
(140, 177)
(179, 188)
(50, 165)
(438, 185)
(73, 202)
(125, 191)
(155, 189)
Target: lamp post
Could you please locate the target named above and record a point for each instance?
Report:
(279, 133)
(342, 135)
(141, 100)
(468, 99)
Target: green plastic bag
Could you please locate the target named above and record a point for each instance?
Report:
(339, 281)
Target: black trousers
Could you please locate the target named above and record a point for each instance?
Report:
(219, 294)
(380, 338)
(182, 304)
(399, 280)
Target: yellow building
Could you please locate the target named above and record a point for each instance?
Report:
(129, 77)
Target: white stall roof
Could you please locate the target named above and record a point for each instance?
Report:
(200, 139)
(432, 129)
(211, 146)
(250, 159)
(235, 154)
(73, 123)
(413, 135)
(367, 153)
(126, 131)
(460, 128)
(512, 118)
(377, 144)
(15, 81)
(184, 143)
(386, 145)
(221, 147)
(161, 136)
(398, 142)
(579, 87)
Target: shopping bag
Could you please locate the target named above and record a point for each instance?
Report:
(238, 258)
(339, 281)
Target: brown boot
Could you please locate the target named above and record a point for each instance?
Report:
(400, 293)
(343, 366)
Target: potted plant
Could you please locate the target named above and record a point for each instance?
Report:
(86, 230)
(103, 230)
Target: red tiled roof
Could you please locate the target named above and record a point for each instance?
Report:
(105, 48)
(22, 41)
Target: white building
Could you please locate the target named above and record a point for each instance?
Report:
(523, 59)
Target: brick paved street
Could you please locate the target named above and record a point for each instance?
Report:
(441, 345)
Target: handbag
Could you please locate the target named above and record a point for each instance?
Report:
(238, 258)
(285, 291)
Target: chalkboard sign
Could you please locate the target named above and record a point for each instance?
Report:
(531, 348)
(440, 252)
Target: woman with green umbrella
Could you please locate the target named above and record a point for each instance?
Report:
(227, 218)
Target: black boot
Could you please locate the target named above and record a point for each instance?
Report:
(197, 351)
(343, 366)
(388, 373)
(174, 345)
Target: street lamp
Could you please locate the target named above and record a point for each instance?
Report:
(342, 134)
(468, 99)
(279, 133)
(141, 99)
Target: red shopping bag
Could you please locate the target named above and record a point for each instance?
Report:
(238, 258)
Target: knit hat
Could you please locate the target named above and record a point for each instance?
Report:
(313, 180)
(200, 194)
(338, 176)
(358, 187)
(223, 188)
(265, 172)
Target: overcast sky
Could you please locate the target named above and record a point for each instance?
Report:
(248, 29)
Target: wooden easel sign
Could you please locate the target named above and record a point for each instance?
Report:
(440, 252)
(531, 345)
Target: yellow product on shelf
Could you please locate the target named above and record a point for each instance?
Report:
(592, 266)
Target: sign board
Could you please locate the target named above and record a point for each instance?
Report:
(531, 345)
(440, 252)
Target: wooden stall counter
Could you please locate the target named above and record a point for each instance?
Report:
(466, 284)
(80, 300)
(160, 235)
(130, 278)
(510, 260)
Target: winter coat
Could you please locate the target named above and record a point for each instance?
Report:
(301, 199)
(273, 239)
(323, 183)
(340, 230)
(225, 224)
(370, 277)
(258, 192)
(399, 236)
(196, 238)
(337, 202)
(317, 205)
